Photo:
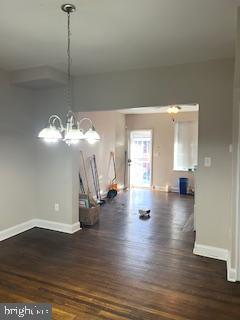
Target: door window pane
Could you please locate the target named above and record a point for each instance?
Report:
(141, 156)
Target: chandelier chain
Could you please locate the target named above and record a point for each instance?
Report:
(69, 63)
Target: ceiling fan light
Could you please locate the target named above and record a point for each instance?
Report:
(173, 109)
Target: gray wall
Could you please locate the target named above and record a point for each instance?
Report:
(111, 127)
(55, 164)
(120, 147)
(162, 126)
(17, 198)
(211, 85)
(33, 176)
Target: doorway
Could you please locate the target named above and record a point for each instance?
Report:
(140, 150)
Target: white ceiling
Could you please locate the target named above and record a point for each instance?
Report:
(110, 35)
(147, 110)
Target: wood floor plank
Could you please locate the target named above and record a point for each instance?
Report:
(122, 268)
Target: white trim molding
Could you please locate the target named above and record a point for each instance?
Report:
(57, 226)
(174, 189)
(194, 216)
(210, 252)
(217, 253)
(162, 188)
(15, 230)
(231, 272)
(50, 225)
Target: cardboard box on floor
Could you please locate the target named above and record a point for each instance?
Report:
(89, 216)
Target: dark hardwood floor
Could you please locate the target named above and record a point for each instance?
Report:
(123, 268)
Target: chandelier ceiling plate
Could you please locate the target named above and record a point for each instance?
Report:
(67, 7)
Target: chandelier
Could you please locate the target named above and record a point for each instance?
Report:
(71, 132)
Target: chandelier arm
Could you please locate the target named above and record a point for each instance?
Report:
(85, 119)
(55, 118)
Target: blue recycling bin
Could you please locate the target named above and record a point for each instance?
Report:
(183, 185)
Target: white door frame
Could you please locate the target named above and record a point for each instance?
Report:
(234, 271)
(129, 155)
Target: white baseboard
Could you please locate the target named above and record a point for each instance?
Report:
(231, 272)
(217, 253)
(210, 252)
(175, 189)
(50, 225)
(57, 226)
(15, 230)
(162, 188)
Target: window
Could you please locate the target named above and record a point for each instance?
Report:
(185, 145)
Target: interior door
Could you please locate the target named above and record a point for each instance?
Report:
(140, 158)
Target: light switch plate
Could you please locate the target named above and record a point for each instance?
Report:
(56, 207)
(207, 162)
